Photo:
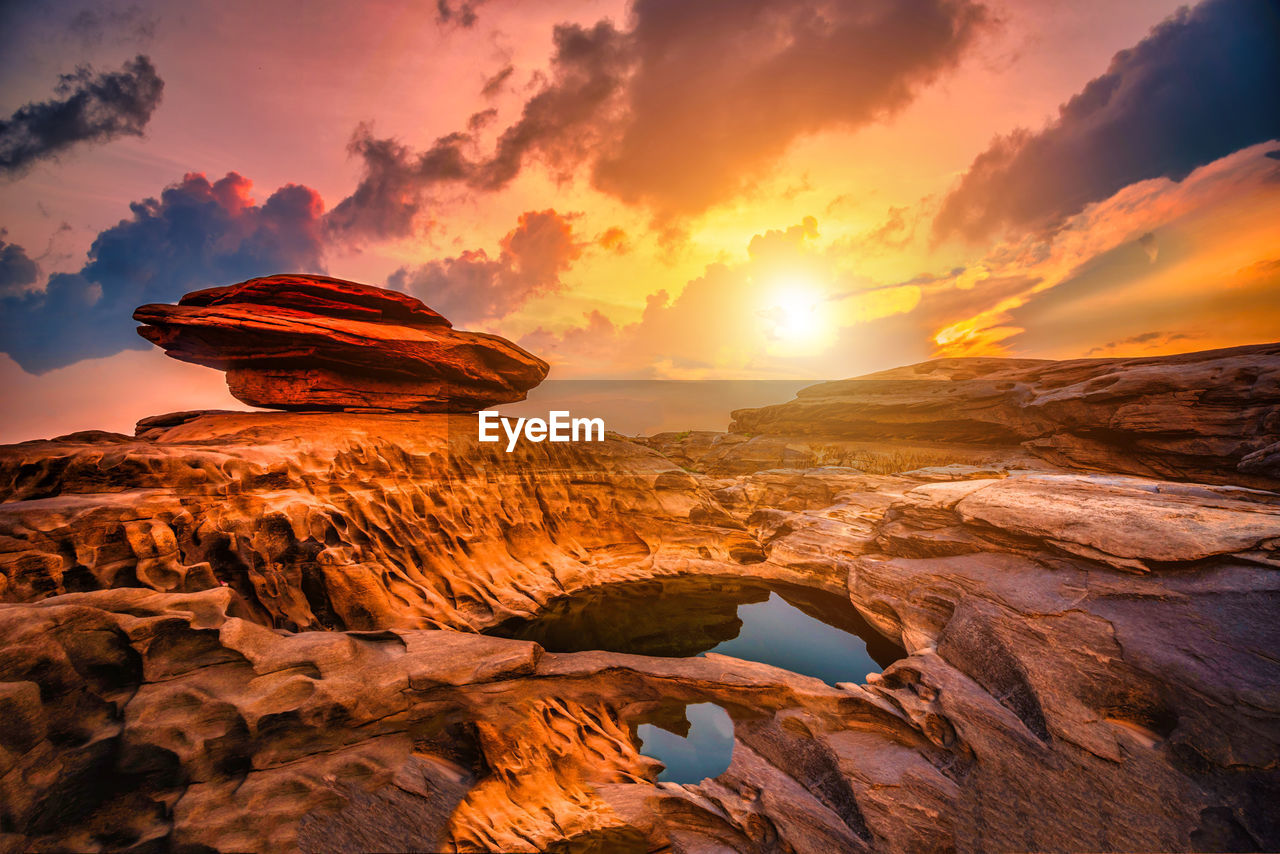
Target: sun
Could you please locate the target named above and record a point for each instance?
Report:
(796, 311)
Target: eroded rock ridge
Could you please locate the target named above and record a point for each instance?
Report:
(1211, 415)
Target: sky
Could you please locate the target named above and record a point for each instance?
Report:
(656, 189)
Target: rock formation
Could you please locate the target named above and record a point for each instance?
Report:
(1192, 416)
(314, 343)
(265, 631)
(350, 520)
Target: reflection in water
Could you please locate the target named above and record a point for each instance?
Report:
(803, 631)
(705, 749)
(778, 633)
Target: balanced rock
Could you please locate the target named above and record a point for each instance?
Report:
(317, 343)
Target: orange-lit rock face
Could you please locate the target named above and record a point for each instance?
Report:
(267, 631)
(314, 343)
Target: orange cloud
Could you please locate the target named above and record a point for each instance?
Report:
(1090, 282)
(658, 118)
(778, 313)
(614, 239)
(474, 288)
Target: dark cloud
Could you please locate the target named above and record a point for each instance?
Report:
(555, 125)
(1201, 85)
(1150, 245)
(89, 108)
(658, 117)
(567, 120)
(1145, 340)
(698, 128)
(390, 192)
(94, 25)
(458, 14)
(17, 271)
(473, 287)
(481, 120)
(195, 235)
(497, 82)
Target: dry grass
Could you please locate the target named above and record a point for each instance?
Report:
(894, 460)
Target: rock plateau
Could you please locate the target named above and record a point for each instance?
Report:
(1208, 415)
(267, 631)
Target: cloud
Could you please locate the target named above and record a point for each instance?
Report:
(1155, 340)
(555, 124)
(1201, 85)
(195, 235)
(595, 342)
(696, 129)
(1150, 246)
(459, 14)
(614, 239)
(90, 108)
(789, 309)
(129, 24)
(655, 116)
(473, 287)
(1177, 256)
(17, 271)
(390, 192)
(496, 83)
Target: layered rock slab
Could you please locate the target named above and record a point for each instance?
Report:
(1196, 416)
(1119, 677)
(1073, 684)
(315, 343)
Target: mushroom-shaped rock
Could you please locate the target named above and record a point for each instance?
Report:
(312, 342)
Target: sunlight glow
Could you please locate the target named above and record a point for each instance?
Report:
(795, 311)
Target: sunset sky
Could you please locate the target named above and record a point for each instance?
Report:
(765, 189)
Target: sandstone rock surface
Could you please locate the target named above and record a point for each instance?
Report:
(265, 631)
(1105, 669)
(1194, 416)
(316, 343)
(355, 521)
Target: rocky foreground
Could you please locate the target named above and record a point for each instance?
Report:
(264, 631)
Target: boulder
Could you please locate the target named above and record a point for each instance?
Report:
(314, 343)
